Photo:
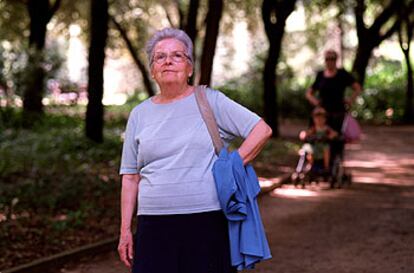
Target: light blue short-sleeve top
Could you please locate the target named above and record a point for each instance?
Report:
(171, 149)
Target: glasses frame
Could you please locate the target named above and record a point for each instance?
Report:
(330, 58)
(171, 55)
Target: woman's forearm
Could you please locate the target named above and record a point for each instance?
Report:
(255, 141)
(357, 88)
(129, 194)
(311, 98)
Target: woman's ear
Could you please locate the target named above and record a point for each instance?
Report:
(190, 70)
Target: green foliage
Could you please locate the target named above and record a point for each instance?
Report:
(248, 95)
(72, 219)
(17, 66)
(54, 168)
(14, 20)
(9, 117)
(248, 88)
(384, 93)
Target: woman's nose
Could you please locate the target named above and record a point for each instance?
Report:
(168, 60)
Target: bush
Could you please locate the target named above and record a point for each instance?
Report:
(54, 167)
(384, 93)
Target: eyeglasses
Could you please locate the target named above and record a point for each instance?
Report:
(176, 56)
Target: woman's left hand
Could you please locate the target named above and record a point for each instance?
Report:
(255, 141)
(348, 102)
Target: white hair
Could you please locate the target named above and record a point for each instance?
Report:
(169, 33)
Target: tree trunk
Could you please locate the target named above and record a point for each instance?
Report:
(39, 13)
(215, 10)
(271, 114)
(34, 84)
(362, 57)
(371, 37)
(138, 62)
(98, 36)
(274, 15)
(409, 108)
(405, 36)
(191, 24)
(191, 28)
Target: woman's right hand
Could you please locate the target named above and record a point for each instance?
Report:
(126, 248)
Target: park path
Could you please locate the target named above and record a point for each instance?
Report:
(363, 228)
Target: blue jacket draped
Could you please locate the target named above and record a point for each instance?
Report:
(238, 188)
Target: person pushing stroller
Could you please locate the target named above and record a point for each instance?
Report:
(328, 90)
(328, 93)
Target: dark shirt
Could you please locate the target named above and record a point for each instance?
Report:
(332, 89)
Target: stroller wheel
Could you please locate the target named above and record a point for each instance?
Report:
(347, 179)
(294, 178)
(332, 182)
(304, 178)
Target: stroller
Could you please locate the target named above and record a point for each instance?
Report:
(307, 171)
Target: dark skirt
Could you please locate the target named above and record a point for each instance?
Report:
(182, 243)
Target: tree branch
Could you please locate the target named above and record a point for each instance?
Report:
(134, 55)
(181, 16)
(406, 18)
(168, 17)
(267, 8)
(53, 9)
(282, 10)
(391, 30)
(359, 18)
(385, 15)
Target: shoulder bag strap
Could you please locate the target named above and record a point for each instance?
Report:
(208, 117)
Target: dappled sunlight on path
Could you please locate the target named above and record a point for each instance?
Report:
(384, 156)
(293, 192)
(366, 227)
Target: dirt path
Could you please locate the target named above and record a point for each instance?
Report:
(365, 228)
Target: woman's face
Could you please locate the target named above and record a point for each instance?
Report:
(170, 62)
(330, 61)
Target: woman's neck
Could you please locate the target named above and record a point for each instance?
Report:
(169, 93)
(330, 72)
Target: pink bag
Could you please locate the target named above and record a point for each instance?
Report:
(351, 129)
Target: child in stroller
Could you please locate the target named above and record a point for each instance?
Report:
(316, 158)
(317, 139)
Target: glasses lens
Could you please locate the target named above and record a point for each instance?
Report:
(176, 56)
(160, 57)
(330, 58)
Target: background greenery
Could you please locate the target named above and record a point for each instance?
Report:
(60, 190)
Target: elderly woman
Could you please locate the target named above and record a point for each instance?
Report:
(166, 168)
